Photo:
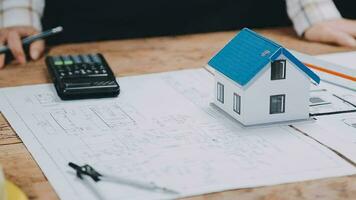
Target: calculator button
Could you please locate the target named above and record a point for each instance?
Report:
(86, 58)
(93, 67)
(57, 61)
(83, 72)
(103, 71)
(97, 75)
(84, 66)
(60, 68)
(67, 60)
(74, 85)
(89, 71)
(76, 59)
(95, 58)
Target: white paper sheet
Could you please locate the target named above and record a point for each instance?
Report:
(345, 59)
(336, 131)
(327, 98)
(162, 129)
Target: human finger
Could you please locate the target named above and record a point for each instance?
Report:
(36, 49)
(15, 45)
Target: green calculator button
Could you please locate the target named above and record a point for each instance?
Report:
(58, 62)
(68, 62)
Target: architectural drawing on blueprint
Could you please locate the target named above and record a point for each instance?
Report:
(171, 136)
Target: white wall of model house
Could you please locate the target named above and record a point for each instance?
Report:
(255, 96)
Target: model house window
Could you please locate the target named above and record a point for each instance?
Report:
(277, 104)
(278, 70)
(220, 92)
(237, 103)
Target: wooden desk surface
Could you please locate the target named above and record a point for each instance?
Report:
(138, 56)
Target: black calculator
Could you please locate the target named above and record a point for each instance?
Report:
(82, 76)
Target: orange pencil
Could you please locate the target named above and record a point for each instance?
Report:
(335, 73)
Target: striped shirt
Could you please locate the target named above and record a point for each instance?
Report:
(303, 13)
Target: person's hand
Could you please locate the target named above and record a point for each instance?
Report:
(340, 31)
(11, 36)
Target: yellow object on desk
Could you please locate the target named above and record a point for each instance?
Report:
(8, 190)
(2, 185)
(13, 192)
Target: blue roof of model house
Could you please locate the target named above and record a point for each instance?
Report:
(248, 53)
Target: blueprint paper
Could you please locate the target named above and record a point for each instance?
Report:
(325, 101)
(161, 129)
(335, 131)
(329, 98)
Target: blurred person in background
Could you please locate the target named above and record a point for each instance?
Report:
(89, 20)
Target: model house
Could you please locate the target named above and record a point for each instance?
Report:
(258, 81)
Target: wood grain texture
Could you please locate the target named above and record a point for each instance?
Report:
(7, 134)
(20, 168)
(150, 55)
